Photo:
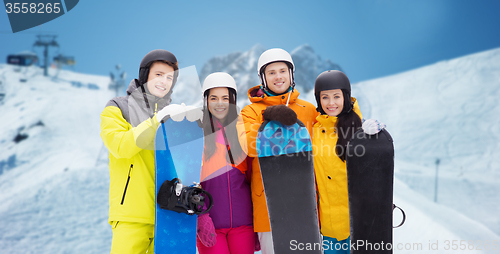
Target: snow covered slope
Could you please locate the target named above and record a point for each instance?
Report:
(436, 228)
(53, 199)
(445, 115)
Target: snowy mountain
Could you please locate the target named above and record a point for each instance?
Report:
(54, 184)
(308, 65)
(243, 67)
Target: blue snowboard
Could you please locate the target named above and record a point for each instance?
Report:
(178, 152)
(285, 159)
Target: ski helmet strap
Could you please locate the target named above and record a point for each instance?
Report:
(350, 108)
(264, 82)
(151, 113)
(263, 76)
(211, 122)
(289, 95)
(229, 89)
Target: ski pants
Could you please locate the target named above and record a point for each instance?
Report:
(240, 240)
(132, 238)
(333, 246)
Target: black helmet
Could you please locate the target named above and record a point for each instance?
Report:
(155, 55)
(330, 80)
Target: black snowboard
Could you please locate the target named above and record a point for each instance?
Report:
(370, 178)
(288, 176)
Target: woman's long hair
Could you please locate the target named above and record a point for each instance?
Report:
(348, 122)
(229, 129)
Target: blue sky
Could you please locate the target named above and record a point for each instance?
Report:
(367, 38)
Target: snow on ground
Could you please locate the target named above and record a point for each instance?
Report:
(449, 112)
(436, 228)
(67, 213)
(53, 197)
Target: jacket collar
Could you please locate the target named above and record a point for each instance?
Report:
(255, 94)
(327, 121)
(141, 93)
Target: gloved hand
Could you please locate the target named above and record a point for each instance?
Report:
(206, 230)
(193, 113)
(372, 126)
(280, 113)
(175, 111)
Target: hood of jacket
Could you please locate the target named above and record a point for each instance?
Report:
(142, 104)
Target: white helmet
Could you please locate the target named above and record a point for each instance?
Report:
(272, 56)
(219, 79)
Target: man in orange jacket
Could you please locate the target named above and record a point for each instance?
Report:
(277, 97)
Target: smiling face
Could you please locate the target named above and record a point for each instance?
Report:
(160, 79)
(277, 77)
(218, 102)
(332, 101)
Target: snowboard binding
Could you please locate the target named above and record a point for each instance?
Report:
(184, 199)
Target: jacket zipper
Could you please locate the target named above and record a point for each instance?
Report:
(126, 185)
(228, 168)
(229, 190)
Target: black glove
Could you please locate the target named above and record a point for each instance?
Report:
(280, 113)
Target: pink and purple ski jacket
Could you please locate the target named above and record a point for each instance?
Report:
(229, 187)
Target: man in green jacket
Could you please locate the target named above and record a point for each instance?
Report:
(128, 128)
